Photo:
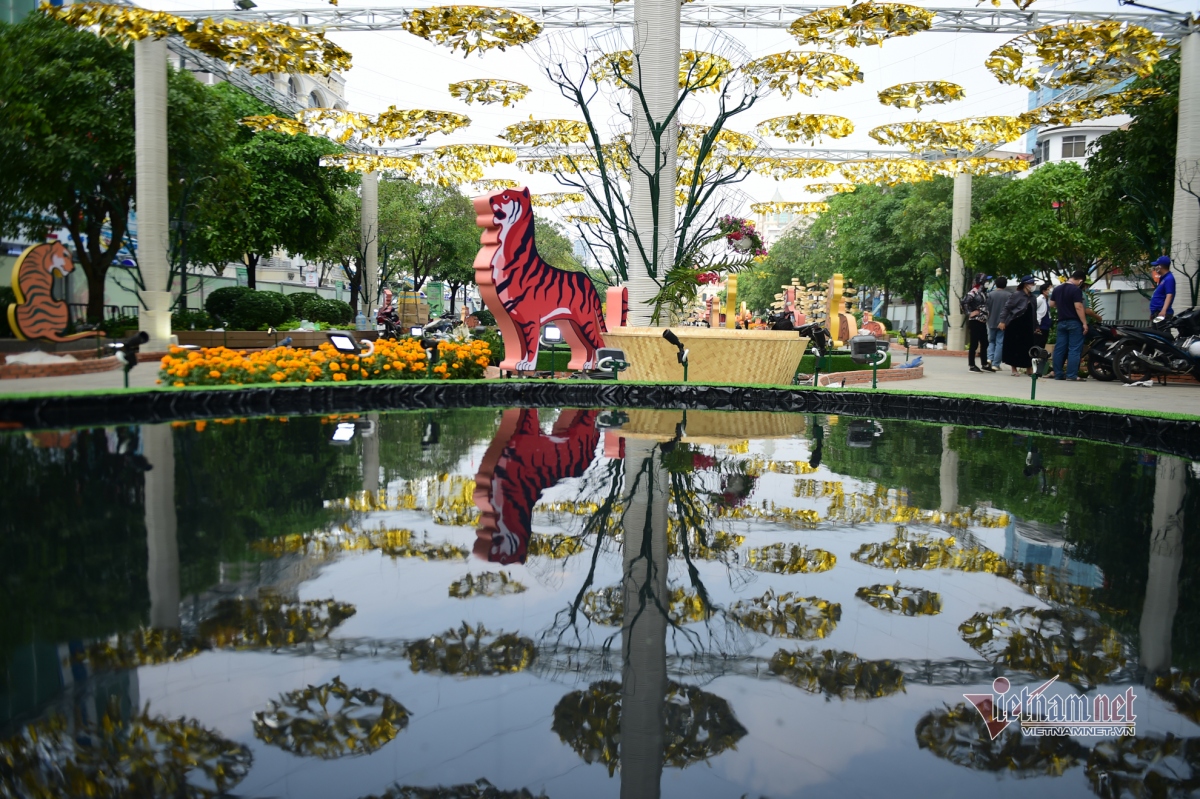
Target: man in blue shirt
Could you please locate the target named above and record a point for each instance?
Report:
(1161, 304)
(1067, 299)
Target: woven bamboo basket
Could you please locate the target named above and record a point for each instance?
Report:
(711, 427)
(715, 355)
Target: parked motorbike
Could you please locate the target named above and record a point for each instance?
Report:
(1099, 344)
(1171, 347)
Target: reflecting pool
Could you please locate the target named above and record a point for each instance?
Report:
(595, 603)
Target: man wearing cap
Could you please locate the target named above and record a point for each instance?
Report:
(1162, 303)
(1067, 299)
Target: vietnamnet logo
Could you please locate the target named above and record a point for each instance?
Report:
(1042, 714)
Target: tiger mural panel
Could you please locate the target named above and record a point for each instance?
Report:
(37, 314)
(524, 292)
(521, 463)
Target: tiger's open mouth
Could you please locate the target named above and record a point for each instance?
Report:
(496, 212)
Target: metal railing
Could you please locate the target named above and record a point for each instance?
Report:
(78, 311)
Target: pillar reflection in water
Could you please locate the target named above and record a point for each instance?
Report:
(158, 447)
(948, 474)
(644, 633)
(1166, 558)
(370, 456)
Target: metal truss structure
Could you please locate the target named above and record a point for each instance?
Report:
(1011, 21)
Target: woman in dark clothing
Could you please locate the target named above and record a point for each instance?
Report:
(1018, 321)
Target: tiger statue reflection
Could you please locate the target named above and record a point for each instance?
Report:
(522, 462)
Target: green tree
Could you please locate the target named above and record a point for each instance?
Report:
(1129, 196)
(1020, 230)
(428, 227)
(67, 139)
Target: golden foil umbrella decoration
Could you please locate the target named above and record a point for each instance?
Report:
(582, 219)
(829, 188)
(802, 72)
(696, 69)
(341, 126)
(330, 721)
(408, 165)
(1075, 111)
(841, 674)
(472, 28)
(1077, 54)
(556, 198)
(896, 598)
(962, 134)
(488, 91)
(810, 128)
(575, 163)
(860, 23)
(782, 207)
(791, 168)
(488, 185)
(538, 132)
(921, 93)
(471, 651)
(787, 615)
(259, 46)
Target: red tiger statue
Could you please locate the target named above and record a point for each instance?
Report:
(519, 465)
(36, 313)
(524, 292)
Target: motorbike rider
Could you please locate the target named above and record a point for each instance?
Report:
(1161, 304)
(386, 315)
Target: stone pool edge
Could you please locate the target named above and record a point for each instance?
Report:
(1171, 434)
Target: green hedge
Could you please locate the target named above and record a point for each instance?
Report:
(839, 363)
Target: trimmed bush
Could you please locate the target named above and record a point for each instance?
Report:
(190, 320)
(840, 363)
(221, 302)
(485, 317)
(883, 320)
(300, 302)
(332, 312)
(258, 309)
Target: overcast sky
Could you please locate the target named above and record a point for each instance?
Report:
(397, 68)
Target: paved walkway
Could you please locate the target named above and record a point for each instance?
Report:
(943, 373)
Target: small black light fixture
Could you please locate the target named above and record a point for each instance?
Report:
(682, 354)
(416, 332)
(127, 351)
(864, 349)
(347, 344)
(245, 5)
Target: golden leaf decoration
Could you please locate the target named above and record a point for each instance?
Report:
(574, 164)
(488, 185)
(810, 128)
(582, 219)
(800, 208)
(698, 70)
(860, 23)
(791, 168)
(555, 199)
(472, 28)
(274, 124)
(830, 188)
(259, 46)
(538, 132)
(963, 134)
(803, 72)
(1077, 54)
(921, 93)
(408, 165)
(1072, 112)
(487, 91)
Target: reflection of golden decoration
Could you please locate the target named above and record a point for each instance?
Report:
(788, 615)
(1151, 765)
(607, 606)
(146, 646)
(898, 599)
(794, 559)
(1065, 643)
(697, 725)
(393, 543)
(958, 734)
(1075, 111)
(486, 584)
(830, 188)
(330, 721)
(489, 185)
(471, 651)
(861, 23)
(271, 621)
(547, 131)
(921, 93)
(698, 70)
(557, 198)
(487, 91)
(803, 71)
(840, 674)
(145, 756)
(802, 209)
(470, 28)
(720, 545)
(809, 128)
(555, 546)
(791, 168)
(480, 789)
(259, 46)
(1077, 54)
(922, 551)
(1182, 689)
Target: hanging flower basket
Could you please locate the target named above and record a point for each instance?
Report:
(741, 235)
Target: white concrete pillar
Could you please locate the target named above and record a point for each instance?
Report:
(644, 634)
(948, 474)
(656, 71)
(158, 447)
(960, 223)
(1166, 558)
(153, 213)
(369, 229)
(1185, 216)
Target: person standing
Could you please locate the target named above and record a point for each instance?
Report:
(1018, 320)
(1067, 300)
(996, 299)
(1163, 301)
(975, 306)
(1042, 331)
